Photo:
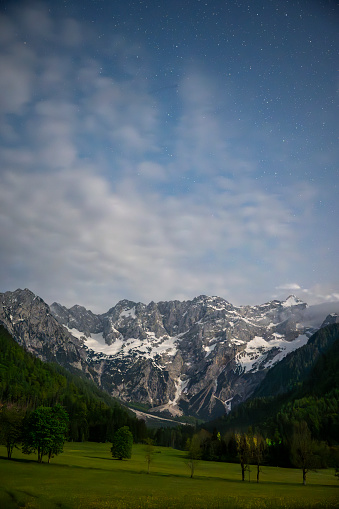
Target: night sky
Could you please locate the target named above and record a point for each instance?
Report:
(159, 150)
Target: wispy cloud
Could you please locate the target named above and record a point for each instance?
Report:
(93, 209)
(74, 231)
(289, 286)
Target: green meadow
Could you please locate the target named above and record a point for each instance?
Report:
(86, 477)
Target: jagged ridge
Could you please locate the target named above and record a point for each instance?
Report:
(190, 356)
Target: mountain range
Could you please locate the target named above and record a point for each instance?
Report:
(196, 357)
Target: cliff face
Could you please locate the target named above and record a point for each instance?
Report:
(29, 320)
(192, 357)
(189, 356)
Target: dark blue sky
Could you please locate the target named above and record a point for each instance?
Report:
(161, 150)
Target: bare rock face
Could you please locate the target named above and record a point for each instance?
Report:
(195, 357)
(190, 356)
(29, 320)
(78, 317)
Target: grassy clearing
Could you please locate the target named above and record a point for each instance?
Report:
(86, 477)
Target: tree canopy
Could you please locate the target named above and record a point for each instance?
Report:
(122, 443)
(11, 422)
(45, 431)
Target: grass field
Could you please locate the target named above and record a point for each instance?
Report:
(85, 476)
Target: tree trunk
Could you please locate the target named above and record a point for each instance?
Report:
(304, 476)
(9, 451)
(258, 472)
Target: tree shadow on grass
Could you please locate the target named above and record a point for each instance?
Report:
(100, 458)
(18, 460)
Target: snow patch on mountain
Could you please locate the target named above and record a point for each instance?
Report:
(172, 405)
(253, 357)
(130, 313)
(76, 333)
(151, 347)
(288, 347)
(207, 342)
(209, 348)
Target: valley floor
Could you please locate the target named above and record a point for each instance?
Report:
(86, 477)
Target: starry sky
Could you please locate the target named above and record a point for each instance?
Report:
(159, 150)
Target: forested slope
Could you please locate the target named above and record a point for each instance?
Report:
(296, 367)
(313, 398)
(28, 382)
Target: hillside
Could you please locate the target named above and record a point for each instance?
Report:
(313, 397)
(28, 382)
(295, 367)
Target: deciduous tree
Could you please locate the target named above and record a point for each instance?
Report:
(149, 452)
(45, 431)
(258, 449)
(193, 453)
(244, 452)
(302, 449)
(11, 422)
(122, 443)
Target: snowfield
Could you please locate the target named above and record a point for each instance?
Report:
(256, 351)
(151, 347)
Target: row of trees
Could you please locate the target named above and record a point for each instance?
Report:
(43, 430)
(250, 449)
(253, 450)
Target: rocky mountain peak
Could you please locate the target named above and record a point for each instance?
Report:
(30, 321)
(176, 356)
(77, 317)
(201, 343)
(330, 319)
(292, 300)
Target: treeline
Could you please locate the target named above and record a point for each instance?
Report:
(27, 383)
(251, 450)
(314, 398)
(172, 437)
(313, 402)
(272, 416)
